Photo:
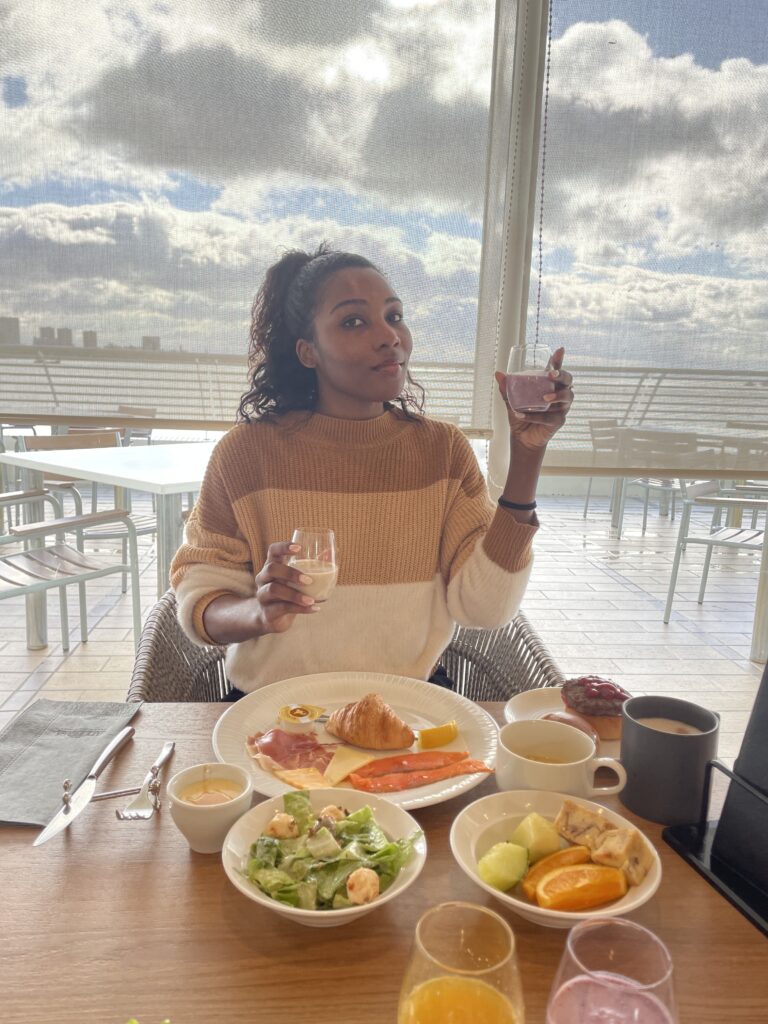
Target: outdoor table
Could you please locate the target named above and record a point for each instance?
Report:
(113, 920)
(165, 470)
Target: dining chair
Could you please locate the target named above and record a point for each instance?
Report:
(38, 567)
(486, 664)
(143, 435)
(609, 436)
(604, 434)
(707, 494)
(143, 524)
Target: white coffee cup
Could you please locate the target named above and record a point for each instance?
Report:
(205, 826)
(536, 754)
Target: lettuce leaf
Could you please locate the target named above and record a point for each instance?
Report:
(297, 804)
(322, 844)
(332, 878)
(265, 853)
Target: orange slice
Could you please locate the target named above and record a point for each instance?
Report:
(438, 736)
(561, 859)
(580, 886)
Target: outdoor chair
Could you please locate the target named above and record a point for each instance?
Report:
(142, 435)
(40, 568)
(143, 525)
(707, 493)
(604, 434)
(486, 664)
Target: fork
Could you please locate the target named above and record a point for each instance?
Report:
(147, 802)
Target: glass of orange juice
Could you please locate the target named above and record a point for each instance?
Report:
(463, 969)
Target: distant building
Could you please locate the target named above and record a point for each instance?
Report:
(10, 330)
(47, 336)
(89, 339)
(63, 335)
(151, 342)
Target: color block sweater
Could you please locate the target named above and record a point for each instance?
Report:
(420, 544)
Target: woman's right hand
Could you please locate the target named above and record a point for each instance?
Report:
(278, 597)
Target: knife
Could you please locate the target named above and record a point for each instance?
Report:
(82, 795)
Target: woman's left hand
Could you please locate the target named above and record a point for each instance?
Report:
(534, 429)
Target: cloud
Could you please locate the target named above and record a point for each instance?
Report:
(656, 196)
(203, 109)
(652, 157)
(412, 132)
(307, 22)
(635, 316)
(131, 269)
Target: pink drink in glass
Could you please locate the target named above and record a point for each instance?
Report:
(604, 998)
(526, 390)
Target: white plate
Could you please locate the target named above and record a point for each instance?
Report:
(532, 703)
(420, 704)
(492, 819)
(395, 822)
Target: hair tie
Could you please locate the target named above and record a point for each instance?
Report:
(527, 507)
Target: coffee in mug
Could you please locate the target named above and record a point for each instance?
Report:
(666, 766)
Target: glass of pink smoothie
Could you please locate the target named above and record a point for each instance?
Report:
(613, 971)
(526, 387)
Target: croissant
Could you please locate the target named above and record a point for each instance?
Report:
(370, 722)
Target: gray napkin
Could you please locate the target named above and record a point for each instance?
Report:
(48, 742)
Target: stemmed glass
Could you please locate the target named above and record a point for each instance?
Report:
(317, 560)
(612, 971)
(463, 969)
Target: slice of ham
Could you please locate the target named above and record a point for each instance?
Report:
(280, 749)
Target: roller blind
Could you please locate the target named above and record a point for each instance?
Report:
(156, 158)
(650, 242)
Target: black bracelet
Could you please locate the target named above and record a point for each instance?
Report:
(527, 507)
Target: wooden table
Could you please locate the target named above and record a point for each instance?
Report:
(113, 920)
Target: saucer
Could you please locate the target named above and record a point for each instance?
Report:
(533, 703)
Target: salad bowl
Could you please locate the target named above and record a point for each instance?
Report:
(394, 821)
(493, 819)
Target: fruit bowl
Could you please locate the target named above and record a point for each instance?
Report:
(493, 819)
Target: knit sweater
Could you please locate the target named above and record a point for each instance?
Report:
(420, 544)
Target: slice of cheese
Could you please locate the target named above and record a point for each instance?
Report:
(301, 778)
(345, 761)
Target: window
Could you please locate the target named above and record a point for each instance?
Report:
(156, 158)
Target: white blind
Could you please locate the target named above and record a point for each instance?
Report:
(156, 158)
(654, 236)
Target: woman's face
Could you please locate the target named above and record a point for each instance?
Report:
(361, 345)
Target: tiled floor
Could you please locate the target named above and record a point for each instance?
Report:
(596, 601)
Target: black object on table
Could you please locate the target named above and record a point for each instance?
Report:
(732, 853)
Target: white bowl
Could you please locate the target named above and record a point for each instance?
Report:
(396, 823)
(493, 819)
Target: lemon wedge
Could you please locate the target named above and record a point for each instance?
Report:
(438, 736)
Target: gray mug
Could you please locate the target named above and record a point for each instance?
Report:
(666, 771)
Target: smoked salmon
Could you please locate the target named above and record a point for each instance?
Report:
(396, 781)
(411, 762)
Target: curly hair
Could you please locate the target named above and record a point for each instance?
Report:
(282, 312)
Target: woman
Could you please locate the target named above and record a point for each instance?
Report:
(331, 436)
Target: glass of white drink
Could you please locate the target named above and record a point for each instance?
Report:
(316, 559)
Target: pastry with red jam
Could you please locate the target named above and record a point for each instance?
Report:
(597, 700)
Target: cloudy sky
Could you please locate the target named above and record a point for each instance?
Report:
(156, 157)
